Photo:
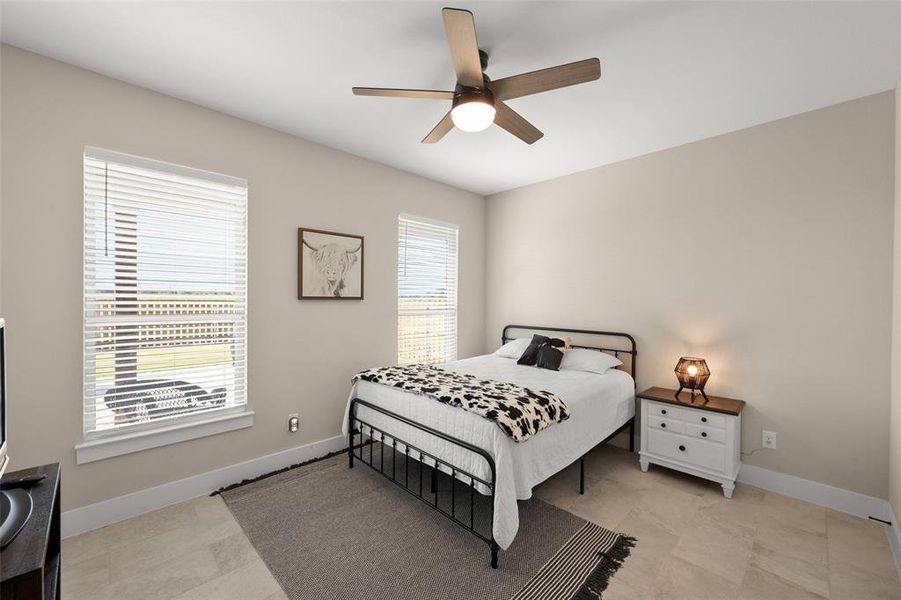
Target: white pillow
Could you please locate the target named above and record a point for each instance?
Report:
(513, 349)
(593, 361)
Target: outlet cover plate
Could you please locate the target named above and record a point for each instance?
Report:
(769, 439)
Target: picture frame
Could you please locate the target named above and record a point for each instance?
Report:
(329, 265)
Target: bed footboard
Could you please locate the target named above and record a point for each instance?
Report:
(411, 480)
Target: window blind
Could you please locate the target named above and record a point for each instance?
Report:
(426, 291)
(165, 292)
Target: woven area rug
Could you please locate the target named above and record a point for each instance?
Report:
(327, 532)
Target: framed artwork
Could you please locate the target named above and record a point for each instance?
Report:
(330, 265)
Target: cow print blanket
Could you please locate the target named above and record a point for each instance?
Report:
(518, 411)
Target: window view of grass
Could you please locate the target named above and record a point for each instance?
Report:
(164, 354)
(168, 359)
(421, 337)
(156, 363)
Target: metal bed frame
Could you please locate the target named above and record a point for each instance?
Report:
(460, 477)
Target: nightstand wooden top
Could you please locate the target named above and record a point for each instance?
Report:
(716, 404)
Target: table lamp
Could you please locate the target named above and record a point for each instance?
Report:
(692, 374)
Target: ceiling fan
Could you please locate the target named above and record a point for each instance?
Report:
(477, 101)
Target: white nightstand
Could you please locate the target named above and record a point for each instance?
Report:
(693, 436)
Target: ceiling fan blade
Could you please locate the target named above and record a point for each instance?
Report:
(511, 120)
(402, 93)
(440, 130)
(544, 80)
(461, 37)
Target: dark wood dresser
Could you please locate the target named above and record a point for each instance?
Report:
(30, 564)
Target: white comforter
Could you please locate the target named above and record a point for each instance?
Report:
(598, 404)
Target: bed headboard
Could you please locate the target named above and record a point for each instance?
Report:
(620, 345)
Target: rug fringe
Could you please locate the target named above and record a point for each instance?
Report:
(244, 482)
(610, 562)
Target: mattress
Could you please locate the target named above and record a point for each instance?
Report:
(598, 405)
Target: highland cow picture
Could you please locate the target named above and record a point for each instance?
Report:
(330, 265)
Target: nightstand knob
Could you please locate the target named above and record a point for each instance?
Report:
(682, 448)
(703, 434)
(703, 419)
(663, 425)
(663, 412)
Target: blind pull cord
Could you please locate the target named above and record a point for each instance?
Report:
(106, 209)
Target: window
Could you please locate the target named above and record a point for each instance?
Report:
(165, 294)
(426, 291)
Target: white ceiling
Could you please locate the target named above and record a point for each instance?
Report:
(673, 72)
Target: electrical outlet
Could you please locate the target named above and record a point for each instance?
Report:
(769, 439)
(293, 423)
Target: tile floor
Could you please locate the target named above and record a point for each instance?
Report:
(693, 544)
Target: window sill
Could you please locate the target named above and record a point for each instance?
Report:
(116, 445)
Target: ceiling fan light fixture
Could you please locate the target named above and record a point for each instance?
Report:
(473, 110)
(474, 107)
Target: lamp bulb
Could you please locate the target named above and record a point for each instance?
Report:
(473, 116)
(692, 370)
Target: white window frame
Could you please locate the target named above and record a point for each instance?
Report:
(456, 328)
(98, 445)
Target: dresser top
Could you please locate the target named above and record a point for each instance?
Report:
(715, 404)
(28, 551)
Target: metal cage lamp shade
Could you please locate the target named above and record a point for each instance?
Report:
(692, 374)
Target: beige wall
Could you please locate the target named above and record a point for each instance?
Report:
(895, 423)
(768, 251)
(302, 354)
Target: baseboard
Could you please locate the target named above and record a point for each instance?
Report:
(835, 498)
(93, 516)
(894, 540)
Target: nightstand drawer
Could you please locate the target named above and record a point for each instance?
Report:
(711, 434)
(705, 419)
(667, 424)
(668, 412)
(686, 449)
